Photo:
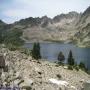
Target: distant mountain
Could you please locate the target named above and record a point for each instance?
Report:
(87, 11)
(83, 35)
(70, 27)
(70, 15)
(45, 28)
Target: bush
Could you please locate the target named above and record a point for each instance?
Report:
(11, 47)
(27, 87)
(76, 68)
(61, 58)
(88, 72)
(60, 64)
(83, 67)
(70, 67)
(26, 51)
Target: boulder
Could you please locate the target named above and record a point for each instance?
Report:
(86, 85)
(58, 82)
(3, 76)
(27, 82)
(65, 67)
(38, 70)
(18, 82)
(18, 75)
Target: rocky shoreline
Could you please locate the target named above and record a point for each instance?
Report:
(29, 74)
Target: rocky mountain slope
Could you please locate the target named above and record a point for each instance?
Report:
(71, 27)
(1, 23)
(83, 26)
(60, 28)
(25, 72)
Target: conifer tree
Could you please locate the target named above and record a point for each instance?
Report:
(36, 51)
(71, 59)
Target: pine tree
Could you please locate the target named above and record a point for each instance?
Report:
(36, 51)
(70, 59)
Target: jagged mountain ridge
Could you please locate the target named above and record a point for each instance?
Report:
(60, 28)
(83, 35)
(72, 27)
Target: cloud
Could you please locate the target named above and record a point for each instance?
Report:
(12, 10)
(13, 15)
(23, 1)
(16, 13)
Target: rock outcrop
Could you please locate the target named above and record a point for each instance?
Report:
(82, 37)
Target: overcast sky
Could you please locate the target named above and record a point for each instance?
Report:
(14, 10)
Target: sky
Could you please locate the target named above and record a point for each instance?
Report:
(14, 10)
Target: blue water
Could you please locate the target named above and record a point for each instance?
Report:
(50, 52)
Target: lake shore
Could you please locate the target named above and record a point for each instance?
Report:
(51, 50)
(38, 75)
(61, 42)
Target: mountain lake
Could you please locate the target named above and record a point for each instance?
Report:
(50, 51)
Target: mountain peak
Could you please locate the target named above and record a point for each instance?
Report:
(73, 13)
(87, 11)
(67, 16)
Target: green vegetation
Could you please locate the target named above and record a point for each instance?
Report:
(36, 51)
(2, 33)
(61, 58)
(1, 37)
(71, 62)
(12, 39)
(76, 67)
(70, 59)
(26, 51)
(27, 87)
(82, 66)
(70, 67)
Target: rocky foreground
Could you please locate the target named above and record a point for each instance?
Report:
(29, 74)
